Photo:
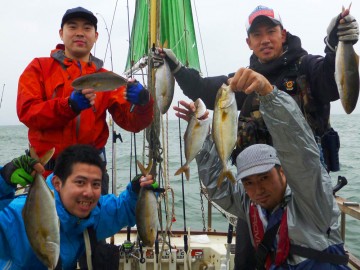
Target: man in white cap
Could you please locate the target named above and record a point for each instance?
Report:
(283, 196)
(279, 56)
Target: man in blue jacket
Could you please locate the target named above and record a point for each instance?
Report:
(76, 182)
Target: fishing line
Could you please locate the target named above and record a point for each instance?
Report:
(182, 175)
(186, 47)
(186, 246)
(130, 44)
(108, 43)
(2, 94)
(201, 42)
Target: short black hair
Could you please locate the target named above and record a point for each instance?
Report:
(77, 153)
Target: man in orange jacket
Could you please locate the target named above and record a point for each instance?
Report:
(56, 115)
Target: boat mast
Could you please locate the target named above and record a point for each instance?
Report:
(154, 130)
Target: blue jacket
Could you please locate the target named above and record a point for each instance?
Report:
(108, 217)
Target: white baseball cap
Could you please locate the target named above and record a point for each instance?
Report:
(255, 159)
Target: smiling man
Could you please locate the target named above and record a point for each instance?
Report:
(76, 182)
(278, 55)
(56, 114)
(283, 197)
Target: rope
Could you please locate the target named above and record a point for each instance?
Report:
(88, 249)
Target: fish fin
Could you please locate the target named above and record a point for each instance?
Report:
(184, 169)
(220, 178)
(145, 171)
(33, 153)
(225, 174)
(53, 249)
(231, 177)
(47, 156)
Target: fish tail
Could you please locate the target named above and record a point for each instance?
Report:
(144, 171)
(220, 178)
(225, 174)
(184, 169)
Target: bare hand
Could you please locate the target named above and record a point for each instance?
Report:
(146, 180)
(188, 111)
(248, 81)
(90, 94)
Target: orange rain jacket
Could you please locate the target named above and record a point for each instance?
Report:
(42, 105)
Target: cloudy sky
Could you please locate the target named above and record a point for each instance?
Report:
(29, 29)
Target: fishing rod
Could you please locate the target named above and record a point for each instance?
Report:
(2, 94)
(108, 42)
(182, 188)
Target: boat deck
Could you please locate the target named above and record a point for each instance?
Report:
(206, 250)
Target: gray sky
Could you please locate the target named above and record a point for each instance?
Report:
(29, 29)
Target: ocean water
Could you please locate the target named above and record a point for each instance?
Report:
(13, 142)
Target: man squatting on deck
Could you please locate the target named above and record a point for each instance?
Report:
(283, 193)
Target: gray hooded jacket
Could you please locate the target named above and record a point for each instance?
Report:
(312, 212)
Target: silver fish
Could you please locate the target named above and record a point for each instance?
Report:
(147, 220)
(194, 137)
(100, 81)
(224, 128)
(164, 87)
(42, 223)
(347, 75)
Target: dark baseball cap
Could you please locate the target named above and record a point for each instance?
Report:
(261, 13)
(79, 12)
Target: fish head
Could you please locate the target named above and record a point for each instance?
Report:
(200, 108)
(225, 97)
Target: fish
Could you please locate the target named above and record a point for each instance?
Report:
(347, 75)
(146, 212)
(347, 72)
(40, 218)
(164, 87)
(100, 81)
(224, 129)
(194, 137)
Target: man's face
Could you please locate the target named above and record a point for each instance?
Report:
(266, 41)
(81, 190)
(79, 36)
(266, 189)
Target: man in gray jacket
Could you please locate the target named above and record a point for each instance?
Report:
(285, 195)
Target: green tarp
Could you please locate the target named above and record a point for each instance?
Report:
(176, 31)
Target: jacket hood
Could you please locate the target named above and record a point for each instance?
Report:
(68, 222)
(58, 55)
(292, 52)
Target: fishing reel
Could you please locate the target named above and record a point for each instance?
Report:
(129, 250)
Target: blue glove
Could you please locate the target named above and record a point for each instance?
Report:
(78, 101)
(18, 171)
(137, 94)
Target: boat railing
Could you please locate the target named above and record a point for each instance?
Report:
(352, 209)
